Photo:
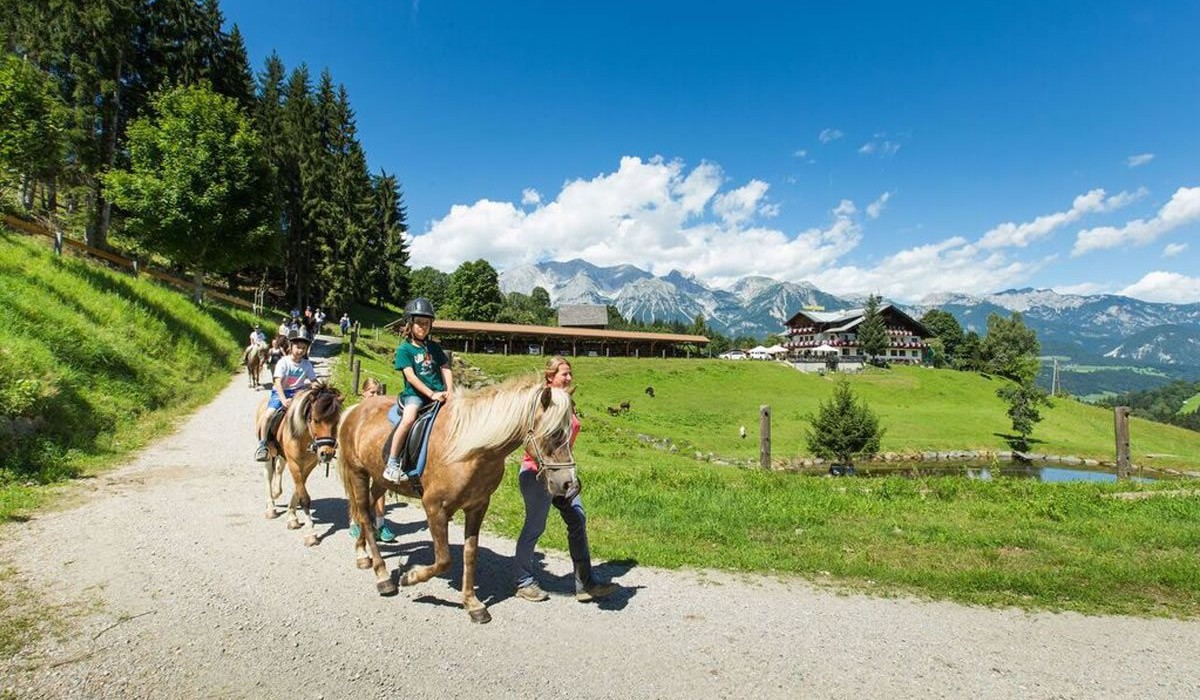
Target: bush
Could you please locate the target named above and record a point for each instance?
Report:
(844, 427)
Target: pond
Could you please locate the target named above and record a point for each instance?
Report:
(990, 470)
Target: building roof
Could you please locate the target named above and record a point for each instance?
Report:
(516, 329)
(852, 317)
(582, 315)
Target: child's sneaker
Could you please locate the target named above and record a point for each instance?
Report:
(394, 473)
(260, 455)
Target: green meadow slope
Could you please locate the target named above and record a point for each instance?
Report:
(700, 405)
(94, 363)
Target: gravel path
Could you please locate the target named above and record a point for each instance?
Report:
(179, 587)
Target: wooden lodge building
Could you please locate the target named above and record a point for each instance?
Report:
(590, 338)
(821, 335)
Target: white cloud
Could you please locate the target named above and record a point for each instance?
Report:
(1183, 209)
(828, 135)
(952, 265)
(530, 196)
(883, 149)
(1011, 234)
(736, 207)
(653, 214)
(1139, 159)
(800, 152)
(1174, 249)
(874, 209)
(1170, 287)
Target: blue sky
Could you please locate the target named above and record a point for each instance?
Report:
(906, 149)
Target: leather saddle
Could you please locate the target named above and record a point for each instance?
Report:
(273, 422)
(414, 451)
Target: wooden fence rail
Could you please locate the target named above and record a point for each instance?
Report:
(35, 229)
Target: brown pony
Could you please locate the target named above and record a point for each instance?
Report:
(472, 435)
(308, 435)
(255, 358)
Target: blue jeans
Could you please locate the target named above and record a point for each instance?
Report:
(537, 507)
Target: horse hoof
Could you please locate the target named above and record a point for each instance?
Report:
(271, 514)
(312, 541)
(293, 524)
(364, 563)
(480, 616)
(407, 580)
(386, 587)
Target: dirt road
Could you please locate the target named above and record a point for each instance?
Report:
(180, 588)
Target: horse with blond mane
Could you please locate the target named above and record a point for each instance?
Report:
(472, 435)
(305, 437)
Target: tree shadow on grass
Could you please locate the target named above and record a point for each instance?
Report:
(1018, 443)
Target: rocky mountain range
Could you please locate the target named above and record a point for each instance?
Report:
(1100, 328)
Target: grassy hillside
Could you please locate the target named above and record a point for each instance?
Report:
(700, 404)
(1192, 405)
(1067, 546)
(94, 363)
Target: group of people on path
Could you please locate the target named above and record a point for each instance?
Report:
(428, 379)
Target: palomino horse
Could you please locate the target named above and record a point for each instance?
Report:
(473, 434)
(255, 357)
(307, 435)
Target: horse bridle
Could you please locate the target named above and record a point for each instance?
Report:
(317, 442)
(531, 445)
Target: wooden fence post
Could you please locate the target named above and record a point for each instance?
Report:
(357, 365)
(1121, 419)
(764, 436)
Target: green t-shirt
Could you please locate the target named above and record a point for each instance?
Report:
(426, 362)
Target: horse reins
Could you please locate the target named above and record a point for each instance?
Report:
(318, 442)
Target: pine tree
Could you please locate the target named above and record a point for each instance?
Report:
(390, 278)
(844, 428)
(231, 76)
(872, 334)
(297, 144)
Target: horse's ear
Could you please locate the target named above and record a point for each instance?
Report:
(547, 397)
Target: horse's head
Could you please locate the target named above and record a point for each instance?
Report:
(548, 440)
(317, 414)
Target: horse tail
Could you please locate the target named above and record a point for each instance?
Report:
(356, 493)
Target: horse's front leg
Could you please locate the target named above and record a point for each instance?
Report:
(301, 498)
(438, 520)
(474, 520)
(272, 494)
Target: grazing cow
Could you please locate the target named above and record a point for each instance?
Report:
(650, 391)
(742, 432)
(624, 406)
(613, 411)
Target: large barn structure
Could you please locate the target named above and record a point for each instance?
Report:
(519, 339)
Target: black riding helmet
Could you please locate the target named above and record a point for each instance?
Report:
(299, 334)
(419, 307)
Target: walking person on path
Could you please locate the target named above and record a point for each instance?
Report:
(537, 507)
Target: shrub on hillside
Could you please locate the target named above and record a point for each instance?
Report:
(844, 428)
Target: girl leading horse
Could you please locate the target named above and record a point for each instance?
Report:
(470, 439)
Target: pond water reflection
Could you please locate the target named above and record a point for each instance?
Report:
(989, 471)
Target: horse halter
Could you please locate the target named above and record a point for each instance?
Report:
(535, 451)
(318, 442)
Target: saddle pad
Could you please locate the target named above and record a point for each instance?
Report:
(412, 455)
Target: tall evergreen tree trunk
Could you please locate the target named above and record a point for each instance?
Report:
(98, 234)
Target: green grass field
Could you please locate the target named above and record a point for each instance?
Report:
(700, 405)
(1004, 542)
(1191, 406)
